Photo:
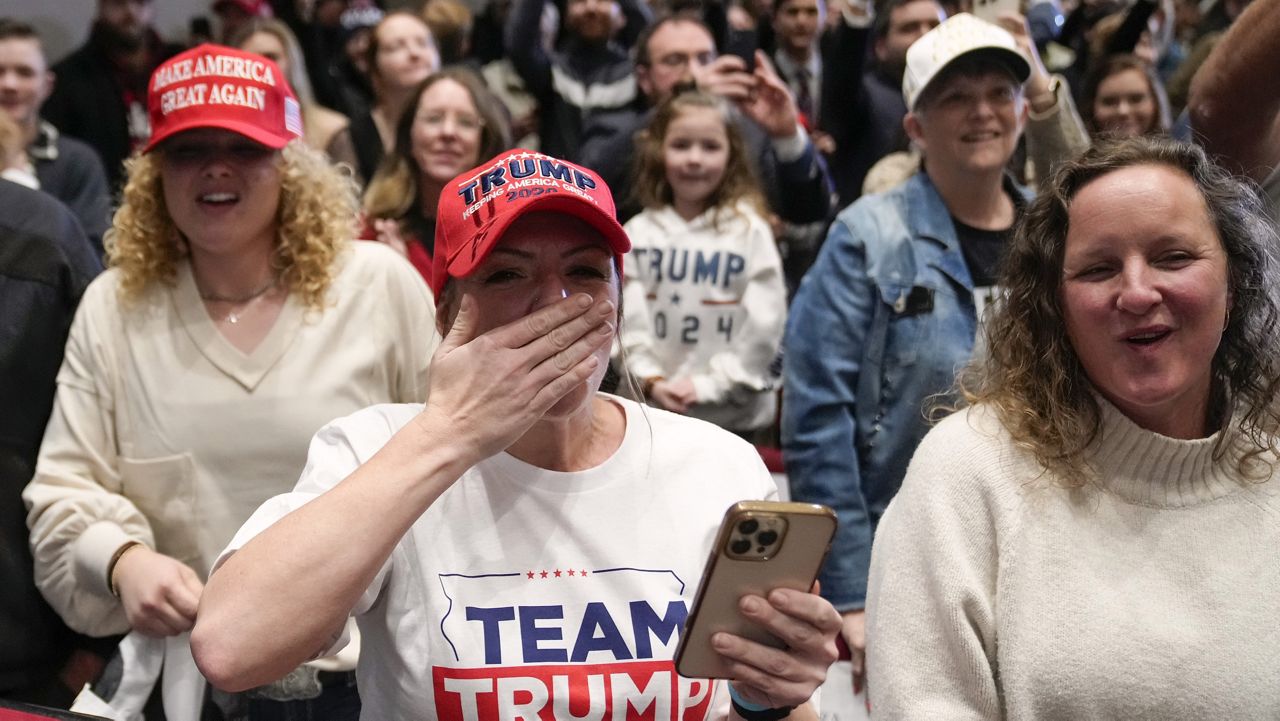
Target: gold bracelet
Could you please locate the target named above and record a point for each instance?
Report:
(649, 383)
(111, 566)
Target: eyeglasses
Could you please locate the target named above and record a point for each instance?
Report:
(677, 60)
(464, 122)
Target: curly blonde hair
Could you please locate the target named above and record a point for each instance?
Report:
(316, 219)
(1034, 380)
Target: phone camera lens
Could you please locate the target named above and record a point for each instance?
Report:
(768, 538)
(740, 546)
(748, 526)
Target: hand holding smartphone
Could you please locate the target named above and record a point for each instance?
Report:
(761, 546)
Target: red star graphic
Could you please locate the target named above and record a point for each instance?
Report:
(570, 571)
(544, 574)
(531, 574)
(557, 573)
(582, 572)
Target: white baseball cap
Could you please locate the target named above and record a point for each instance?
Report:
(959, 35)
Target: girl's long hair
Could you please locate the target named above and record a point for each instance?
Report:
(739, 184)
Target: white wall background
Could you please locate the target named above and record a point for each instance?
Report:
(64, 24)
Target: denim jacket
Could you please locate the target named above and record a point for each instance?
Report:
(882, 321)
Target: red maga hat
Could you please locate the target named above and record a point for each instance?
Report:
(212, 86)
(478, 206)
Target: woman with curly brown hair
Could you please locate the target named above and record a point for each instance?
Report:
(1096, 535)
(235, 320)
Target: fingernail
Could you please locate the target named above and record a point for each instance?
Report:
(604, 328)
(720, 642)
(750, 605)
(778, 599)
(583, 300)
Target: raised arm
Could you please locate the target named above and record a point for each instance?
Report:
(804, 186)
(284, 596)
(524, 47)
(1055, 131)
(844, 57)
(1235, 97)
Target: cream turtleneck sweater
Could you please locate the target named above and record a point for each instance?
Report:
(1152, 592)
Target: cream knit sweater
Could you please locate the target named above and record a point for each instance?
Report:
(1153, 592)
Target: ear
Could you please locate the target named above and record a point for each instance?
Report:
(643, 80)
(911, 124)
(881, 49)
(49, 81)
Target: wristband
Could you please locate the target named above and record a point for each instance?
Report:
(111, 565)
(649, 383)
(750, 711)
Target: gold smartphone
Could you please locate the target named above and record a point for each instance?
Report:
(762, 545)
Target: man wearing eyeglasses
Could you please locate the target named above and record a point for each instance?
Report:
(679, 51)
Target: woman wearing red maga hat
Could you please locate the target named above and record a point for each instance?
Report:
(235, 320)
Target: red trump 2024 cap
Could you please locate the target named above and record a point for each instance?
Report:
(478, 206)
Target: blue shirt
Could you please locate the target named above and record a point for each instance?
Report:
(882, 321)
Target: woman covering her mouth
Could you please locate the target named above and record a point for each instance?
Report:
(522, 545)
(235, 320)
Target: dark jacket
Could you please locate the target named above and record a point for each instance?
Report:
(88, 100)
(576, 81)
(70, 171)
(866, 120)
(45, 264)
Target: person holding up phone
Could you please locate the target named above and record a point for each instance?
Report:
(526, 544)
(678, 52)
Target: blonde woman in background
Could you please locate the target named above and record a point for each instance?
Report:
(402, 53)
(274, 40)
(451, 123)
(235, 320)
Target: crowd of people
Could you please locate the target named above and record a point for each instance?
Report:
(399, 362)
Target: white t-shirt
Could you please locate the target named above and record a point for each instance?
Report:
(523, 593)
